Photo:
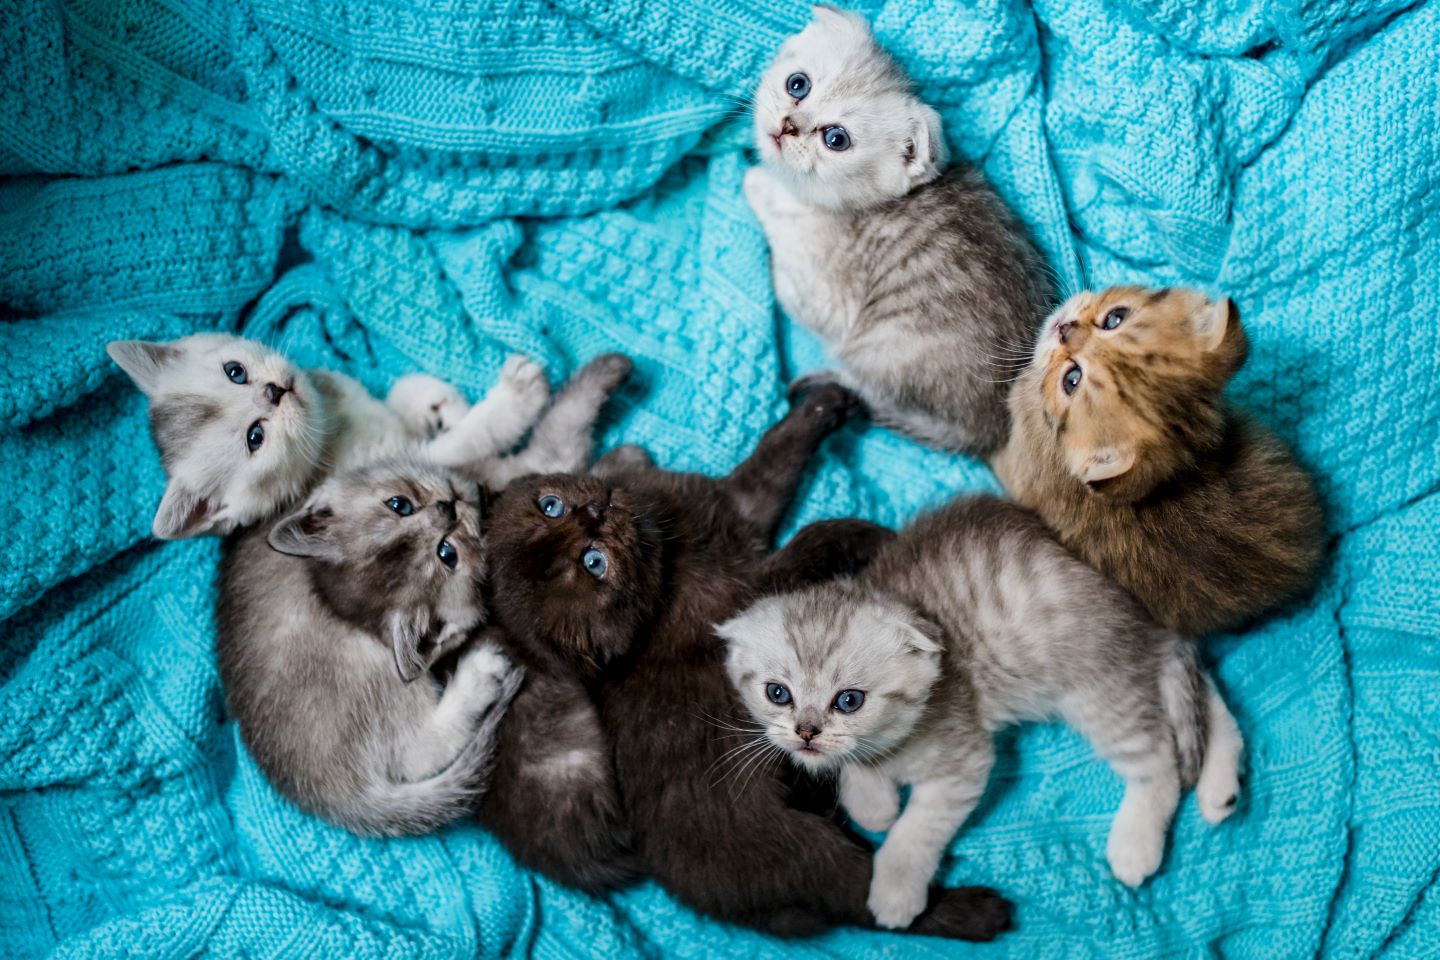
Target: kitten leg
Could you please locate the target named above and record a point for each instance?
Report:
(564, 438)
(626, 458)
(870, 797)
(822, 551)
(497, 422)
(762, 487)
(799, 237)
(1146, 760)
(475, 688)
(906, 862)
(426, 405)
(1219, 785)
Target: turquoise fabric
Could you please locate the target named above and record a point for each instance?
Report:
(382, 186)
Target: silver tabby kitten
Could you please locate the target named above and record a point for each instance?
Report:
(972, 619)
(924, 286)
(329, 620)
(244, 433)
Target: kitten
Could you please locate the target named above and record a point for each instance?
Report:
(1125, 447)
(243, 433)
(614, 581)
(972, 619)
(924, 286)
(329, 620)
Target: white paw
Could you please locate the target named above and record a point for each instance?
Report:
(1218, 791)
(872, 801)
(764, 193)
(1134, 854)
(898, 891)
(524, 382)
(426, 405)
(483, 668)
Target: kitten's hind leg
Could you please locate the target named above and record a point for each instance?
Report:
(762, 487)
(497, 422)
(1141, 749)
(1219, 785)
(426, 405)
(822, 551)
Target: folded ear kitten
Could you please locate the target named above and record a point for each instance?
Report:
(330, 618)
(243, 433)
(972, 619)
(1124, 445)
(924, 286)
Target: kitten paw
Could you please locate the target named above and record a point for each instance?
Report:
(426, 405)
(1134, 855)
(824, 394)
(871, 799)
(525, 388)
(1218, 792)
(899, 889)
(482, 671)
(608, 371)
(760, 188)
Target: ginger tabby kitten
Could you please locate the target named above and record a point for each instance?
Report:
(1124, 445)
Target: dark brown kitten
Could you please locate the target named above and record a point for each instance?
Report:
(616, 581)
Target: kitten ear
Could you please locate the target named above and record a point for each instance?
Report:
(918, 634)
(741, 629)
(1104, 463)
(407, 632)
(306, 533)
(142, 360)
(835, 17)
(925, 151)
(182, 513)
(1213, 322)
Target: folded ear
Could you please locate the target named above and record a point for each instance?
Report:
(407, 635)
(925, 150)
(142, 360)
(308, 532)
(182, 513)
(1213, 322)
(1104, 463)
(835, 17)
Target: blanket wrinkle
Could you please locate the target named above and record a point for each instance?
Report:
(391, 186)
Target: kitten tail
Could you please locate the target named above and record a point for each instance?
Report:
(965, 913)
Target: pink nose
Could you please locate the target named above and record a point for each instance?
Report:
(1063, 331)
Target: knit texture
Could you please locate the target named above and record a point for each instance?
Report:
(385, 186)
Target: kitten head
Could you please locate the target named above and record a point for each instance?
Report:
(395, 549)
(835, 674)
(838, 120)
(1129, 381)
(240, 429)
(577, 569)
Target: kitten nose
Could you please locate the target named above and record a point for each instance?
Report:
(807, 731)
(1064, 330)
(788, 128)
(593, 511)
(273, 393)
(447, 510)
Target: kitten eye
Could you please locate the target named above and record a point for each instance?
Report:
(254, 436)
(594, 563)
(836, 138)
(552, 506)
(236, 373)
(798, 86)
(1114, 318)
(777, 694)
(848, 701)
(447, 553)
(1072, 379)
(401, 506)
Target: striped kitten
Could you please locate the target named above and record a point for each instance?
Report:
(973, 619)
(1124, 445)
(924, 286)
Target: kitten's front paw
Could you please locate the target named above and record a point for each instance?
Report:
(483, 670)
(760, 189)
(899, 888)
(1134, 854)
(824, 394)
(525, 389)
(426, 405)
(608, 371)
(871, 800)
(1218, 791)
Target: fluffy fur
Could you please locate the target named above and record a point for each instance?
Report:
(329, 621)
(210, 393)
(614, 582)
(925, 287)
(972, 619)
(1142, 469)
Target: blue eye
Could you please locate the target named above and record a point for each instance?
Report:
(254, 436)
(552, 506)
(836, 138)
(798, 86)
(777, 694)
(594, 563)
(401, 506)
(848, 701)
(447, 553)
(1114, 318)
(1072, 379)
(236, 372)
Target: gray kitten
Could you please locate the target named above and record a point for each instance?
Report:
(329, 620)
(924, 286)
(975, 618)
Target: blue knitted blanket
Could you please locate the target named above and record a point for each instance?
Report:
(383, 186)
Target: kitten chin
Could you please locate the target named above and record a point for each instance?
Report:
(1125, 446)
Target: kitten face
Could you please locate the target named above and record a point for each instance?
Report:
(1128, 380)
(836, 118)
(577, 569)
(395, 548)
(834, 674)
(239, 428)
